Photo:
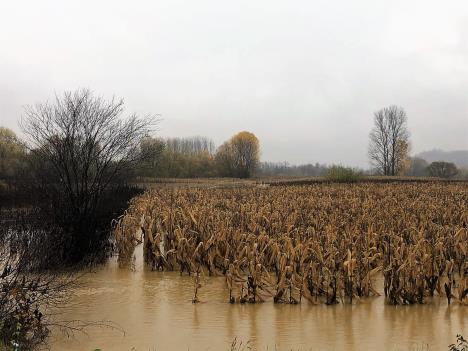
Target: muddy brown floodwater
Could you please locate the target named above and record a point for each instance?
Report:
(155, 311)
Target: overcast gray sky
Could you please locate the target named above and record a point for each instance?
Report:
(304, 76)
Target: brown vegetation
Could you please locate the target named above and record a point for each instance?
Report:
(323, 243)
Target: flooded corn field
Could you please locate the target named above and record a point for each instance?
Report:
(328, 267)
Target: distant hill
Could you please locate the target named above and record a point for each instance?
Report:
(459, 157)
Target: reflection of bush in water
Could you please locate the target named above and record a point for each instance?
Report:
(32, 242)
(25, 292)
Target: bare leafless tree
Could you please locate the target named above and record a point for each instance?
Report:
(191, 145)
(81, 145)
(389, 140)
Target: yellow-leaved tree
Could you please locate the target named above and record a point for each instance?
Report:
(239, 156)
(402, 160)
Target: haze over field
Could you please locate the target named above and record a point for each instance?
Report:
(460, 157)
(304, 77)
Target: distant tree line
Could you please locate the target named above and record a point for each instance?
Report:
(284, 169)
(197, 157)
(177, 158)
(419, 167)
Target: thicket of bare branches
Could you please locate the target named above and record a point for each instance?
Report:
(191, 145)
(389, 140)
(81, 146)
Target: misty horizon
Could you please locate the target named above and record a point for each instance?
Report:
(304, 78)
